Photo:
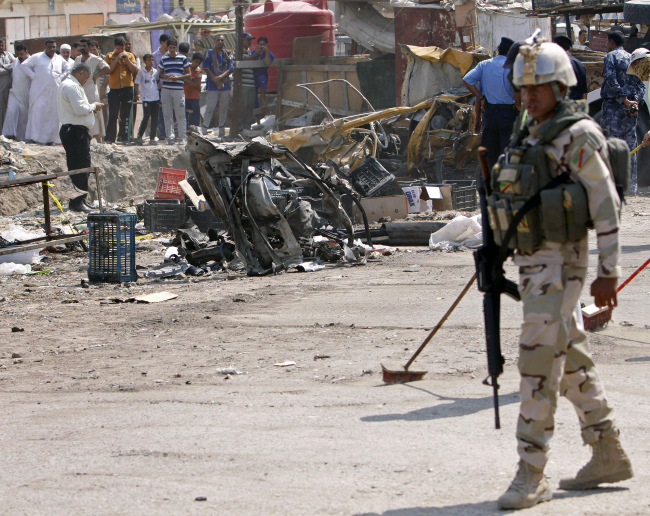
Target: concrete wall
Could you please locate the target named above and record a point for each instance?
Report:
(493, 25)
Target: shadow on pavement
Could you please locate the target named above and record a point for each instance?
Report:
(479, 508)
(457, 408)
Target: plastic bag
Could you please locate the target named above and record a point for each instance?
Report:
(461, 231)
(15, 233)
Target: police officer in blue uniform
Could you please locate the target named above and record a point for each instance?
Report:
(621, 94)
(497, 98)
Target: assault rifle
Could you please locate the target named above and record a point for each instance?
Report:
(492, 282)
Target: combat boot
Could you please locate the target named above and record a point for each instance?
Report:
(529, 488)
(608, 464)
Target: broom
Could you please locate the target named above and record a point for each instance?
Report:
(402, 374)
(594, 317)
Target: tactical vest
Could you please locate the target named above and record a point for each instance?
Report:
(553, 208)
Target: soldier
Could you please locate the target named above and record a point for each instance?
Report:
(553, 351)
(621, 94)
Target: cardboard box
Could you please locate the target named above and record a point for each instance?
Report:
(439, 195)
(413, 197)
(395, 207)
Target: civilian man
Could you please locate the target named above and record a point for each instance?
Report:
(46, 71)
(15, 121)
(218, 66)
(6, 61)
(77, 117)
(98, 69)
(122, 70)
(157, 56)
(64, 51)
(174, 69)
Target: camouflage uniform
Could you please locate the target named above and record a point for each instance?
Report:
(553, 351)
(618, 85)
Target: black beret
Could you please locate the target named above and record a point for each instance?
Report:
(563, 41)
(617, 37)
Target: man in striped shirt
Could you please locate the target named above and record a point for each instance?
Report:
(174, 68)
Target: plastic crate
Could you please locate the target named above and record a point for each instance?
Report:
(463, 194)
(112, 247)
(205, 220)
(163, 214)
(168, 188)
(370, 177)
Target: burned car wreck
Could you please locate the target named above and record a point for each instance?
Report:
(273, 205)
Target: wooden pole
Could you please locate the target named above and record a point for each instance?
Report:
(235, 119)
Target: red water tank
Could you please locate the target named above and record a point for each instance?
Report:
(282, 21)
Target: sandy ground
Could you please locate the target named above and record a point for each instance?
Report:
(118, 408)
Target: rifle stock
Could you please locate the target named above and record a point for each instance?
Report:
(492, 283)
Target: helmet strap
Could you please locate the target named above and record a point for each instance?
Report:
(558, 95)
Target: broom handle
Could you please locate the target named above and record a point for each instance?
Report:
(441, 322)
(620, 287)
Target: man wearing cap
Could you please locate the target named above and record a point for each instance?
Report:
(580, 90)
(621, 94)
(497, 98)
(64, 51)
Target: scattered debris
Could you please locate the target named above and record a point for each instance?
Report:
(285, 364)
(156, 297)
(320, 357)
(229, 370)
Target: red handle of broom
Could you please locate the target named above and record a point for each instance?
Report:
(620, 287)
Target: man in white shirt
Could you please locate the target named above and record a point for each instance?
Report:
(181, 12)
(77, 117)
(98, 68)
(147, 81)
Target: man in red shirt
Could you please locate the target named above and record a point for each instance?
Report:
(192, 88)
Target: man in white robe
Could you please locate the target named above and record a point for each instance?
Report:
(6, 62)
(64, 51)
(46, 70)
(15, 121)
(98, 68)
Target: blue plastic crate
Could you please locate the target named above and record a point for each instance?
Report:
(112, 247)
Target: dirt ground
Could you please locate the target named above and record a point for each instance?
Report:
(119, 409)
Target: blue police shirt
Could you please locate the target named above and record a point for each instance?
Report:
(494, 80)
(617, 84)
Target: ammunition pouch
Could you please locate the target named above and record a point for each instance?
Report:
(559, 211)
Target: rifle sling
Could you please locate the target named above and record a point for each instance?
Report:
(531, 203)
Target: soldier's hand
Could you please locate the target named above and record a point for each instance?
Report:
(646, 139)
(604, 292)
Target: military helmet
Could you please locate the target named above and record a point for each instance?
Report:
(542, 63)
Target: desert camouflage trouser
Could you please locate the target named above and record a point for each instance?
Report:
(554, 358)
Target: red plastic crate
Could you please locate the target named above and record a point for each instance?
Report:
(168, 179)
